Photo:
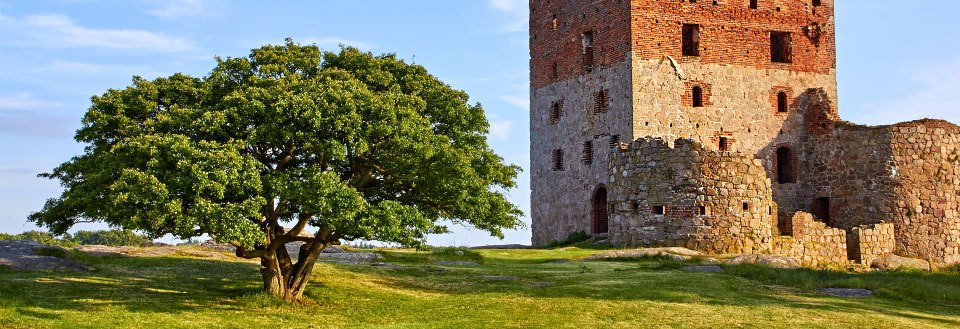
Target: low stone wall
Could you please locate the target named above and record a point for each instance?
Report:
(812, 242)
(685, 196)
(868, 242)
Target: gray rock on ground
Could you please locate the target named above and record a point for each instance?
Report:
(352, 257)
(845, 292)
(704, 269)
(21, 255)
(774, 261)
(891, 262)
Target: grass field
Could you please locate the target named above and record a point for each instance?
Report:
(180, 292)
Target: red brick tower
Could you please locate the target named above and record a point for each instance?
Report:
(729, 74)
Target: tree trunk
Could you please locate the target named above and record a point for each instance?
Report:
(283, 281)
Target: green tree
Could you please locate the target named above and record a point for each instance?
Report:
(346, 144)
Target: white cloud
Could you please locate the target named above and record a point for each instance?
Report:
(181, 8)
(24, 102)
(516, 11)
(934, 97)
(500, 130)
(59, 31)
(507, 5)
(518, 101)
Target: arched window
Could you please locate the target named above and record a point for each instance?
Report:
(598, 212)
(784, 163)
(697, 96)
(782, 106)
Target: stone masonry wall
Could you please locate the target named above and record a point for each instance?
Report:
(688, 196)
(866, 243)
(561, 200)
(906, 174)
(812, 242)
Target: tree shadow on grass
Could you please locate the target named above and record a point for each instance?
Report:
(138, 285)
(666, 282)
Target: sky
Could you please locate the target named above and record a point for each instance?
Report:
(897, 61)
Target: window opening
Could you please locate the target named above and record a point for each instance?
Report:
(556, 112)
(558, 160)
(697, 96)
(587, 40)
(780, 47)
(659, 210)
(691, 40)
(785, 166)
(782, 102)
(588, 152)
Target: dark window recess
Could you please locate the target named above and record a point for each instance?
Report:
(601, 101)
(782, 102)
(785, 167)
(587, 152)
(697, 96)
(780, 47)
(614, 141)
(746, 206)
(691, 40)
(599, 211)
(702, 210)
(816, 3)
(754, 4)
(587, 40)
(557, 160)
(634, 207)
(659, 210)
(556, 111)
(821, 210)
(724, 144)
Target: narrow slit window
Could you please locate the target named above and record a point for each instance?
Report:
(587, 40)
(782, 102)
(724, 144)
(602, 101)
(587, 152)
(558, 160)
(691, 40)
(780, 47)
(697, 95)
(614, 141)
(556, 111)
(754, 4)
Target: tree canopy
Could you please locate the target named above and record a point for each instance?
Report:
(346, 145)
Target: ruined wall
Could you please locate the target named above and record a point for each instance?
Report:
(812, 242)
(868, 242)
(691, 197)
(906, 174)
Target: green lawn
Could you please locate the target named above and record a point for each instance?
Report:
(177, 292)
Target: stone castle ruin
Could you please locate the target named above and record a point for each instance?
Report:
(713, 125)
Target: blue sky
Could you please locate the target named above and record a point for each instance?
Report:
(897, 61)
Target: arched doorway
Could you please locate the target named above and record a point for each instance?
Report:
(598, 212)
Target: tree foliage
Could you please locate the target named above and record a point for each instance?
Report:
(349, 144)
